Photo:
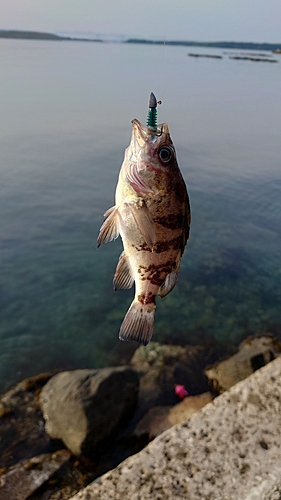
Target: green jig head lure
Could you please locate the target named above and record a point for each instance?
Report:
(152, 112)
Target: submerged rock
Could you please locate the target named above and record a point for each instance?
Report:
(83, 407)
(252, 355)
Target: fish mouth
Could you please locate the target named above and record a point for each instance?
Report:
(141, 154)
(144, 143)
(142, 134)
(139, 134)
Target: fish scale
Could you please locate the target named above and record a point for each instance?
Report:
(152, 216)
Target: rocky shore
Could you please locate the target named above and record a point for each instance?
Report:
(58, 433)
(229, 450)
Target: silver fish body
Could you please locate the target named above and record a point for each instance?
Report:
(152, 216)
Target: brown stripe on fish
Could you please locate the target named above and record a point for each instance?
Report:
(174, 244)
(180, 190)
(171, 221)
(156, 273)
(162, 246)
(146, 298)
(143, 247)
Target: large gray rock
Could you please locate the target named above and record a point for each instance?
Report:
(253, 353)
(231, 449)
(82, 407)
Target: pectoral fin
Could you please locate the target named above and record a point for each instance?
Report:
(110, 229)
(109, 212)
(123, 278)
(144, 222)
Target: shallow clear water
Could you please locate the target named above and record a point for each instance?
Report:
(66, 109)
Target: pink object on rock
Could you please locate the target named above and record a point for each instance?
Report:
(180, 391)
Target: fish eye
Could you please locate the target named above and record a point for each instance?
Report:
(165, 154)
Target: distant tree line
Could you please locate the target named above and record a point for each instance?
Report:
(219, 45)
(36, 35)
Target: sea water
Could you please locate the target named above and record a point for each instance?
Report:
(66, 111)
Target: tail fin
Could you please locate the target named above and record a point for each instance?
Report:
(138, 323)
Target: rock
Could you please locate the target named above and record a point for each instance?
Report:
(22, 432)
(23, 436)
(83, 407)
(160, 418)
(252, 355)
(4, 410)
(162, 366)
(21, 480)
(228, 450)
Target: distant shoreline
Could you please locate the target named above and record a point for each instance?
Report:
(214, 45)
(37, 35)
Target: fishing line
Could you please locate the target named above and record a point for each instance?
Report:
(162, 72)
(163, 66)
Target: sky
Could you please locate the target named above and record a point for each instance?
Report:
(201, 20)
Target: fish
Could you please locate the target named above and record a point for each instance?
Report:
(152, 216)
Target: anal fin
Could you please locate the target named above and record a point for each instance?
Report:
(123, 278)
(169, 283)
(110, 229)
